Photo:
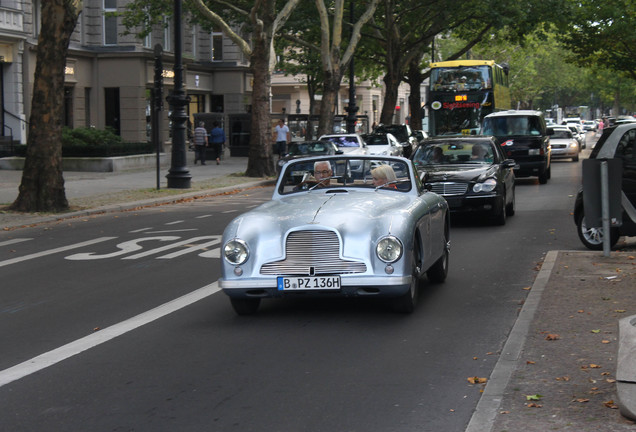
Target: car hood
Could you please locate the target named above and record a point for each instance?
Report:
(465, 173)
(345, 212)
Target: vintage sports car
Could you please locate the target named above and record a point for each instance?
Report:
(333, 231)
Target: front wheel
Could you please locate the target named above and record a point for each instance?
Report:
(592, 238)
(406, 302)
(437, 272)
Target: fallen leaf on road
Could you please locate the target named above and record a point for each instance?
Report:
(534, 397)
(605, 341)
(563, 378)
(620, 311)
(610, 404)
(504, 412)
(595, 366)
(477, 380)
(596, 331)
(582, 400)
(552, 336)
(530, 362)
(534, 405)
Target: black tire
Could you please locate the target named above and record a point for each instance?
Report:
(245, 306)
(510, 207)
(592, 238)
(543, 177)
(437, 272)
(499, 215)
(406, 302)
(575, 158)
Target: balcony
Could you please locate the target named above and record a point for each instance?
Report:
(11, 20)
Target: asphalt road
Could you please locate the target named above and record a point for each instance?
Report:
(115, 323)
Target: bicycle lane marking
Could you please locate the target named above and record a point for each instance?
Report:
(54, 251)
(102, 336)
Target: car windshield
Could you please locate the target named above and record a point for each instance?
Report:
(398, 131)
(310, 148)
(343, 141)
(376, 140)
(453, 154)
(561, 134)
(343, 174)
(511, 126)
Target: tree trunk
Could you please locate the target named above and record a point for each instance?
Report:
(261, 160)
(331, 87)
(42, 186)
(391, 83)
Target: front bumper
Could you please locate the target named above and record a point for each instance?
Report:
(351, 286)
(474, 203)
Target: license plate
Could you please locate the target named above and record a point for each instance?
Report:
(309, 283)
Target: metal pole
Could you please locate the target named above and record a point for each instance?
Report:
(605, 209)
(178, 177)
(156, 106)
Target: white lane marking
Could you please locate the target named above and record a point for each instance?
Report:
(14, 241)
(53, 251)
(229, 211)
(204, 216)
(172, 246)
(214, 253)
(194, 248)
(140, 230)
(125, 247)
(76, 347)
(175, 222)
(172, 231)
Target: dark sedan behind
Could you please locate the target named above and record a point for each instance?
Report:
(471, 173)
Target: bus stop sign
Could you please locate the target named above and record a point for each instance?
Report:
(592, 194)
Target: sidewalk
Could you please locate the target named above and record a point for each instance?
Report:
(561, 351)
(99, 192)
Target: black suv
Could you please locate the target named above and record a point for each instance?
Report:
(525, 138)
(403, 134)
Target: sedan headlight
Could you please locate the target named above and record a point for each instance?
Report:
(487, 186)
(236, 252)
(389, 249)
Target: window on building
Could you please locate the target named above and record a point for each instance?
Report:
(217, 45)
(111, 105)
(216, 103)
(110, 22)
(68, 106)
(194, 40)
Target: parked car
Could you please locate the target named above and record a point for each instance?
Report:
(616, 142)
(472, 174)
(296, 150)
(326, 233)
(404, 135)
(351, 144)
(525, 138)
(383, 144)
(564, 144)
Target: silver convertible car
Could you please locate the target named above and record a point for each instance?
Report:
(333, 230)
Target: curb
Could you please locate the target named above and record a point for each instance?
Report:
(485, 413)
(114, 208)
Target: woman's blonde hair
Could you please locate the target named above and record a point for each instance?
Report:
(385, 172)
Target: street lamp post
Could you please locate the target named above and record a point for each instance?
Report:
(178, 176)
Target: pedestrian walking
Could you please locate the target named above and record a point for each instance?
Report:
(200, 143)
(217, 139)
(282, 137)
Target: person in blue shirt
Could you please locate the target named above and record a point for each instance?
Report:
(217, 139)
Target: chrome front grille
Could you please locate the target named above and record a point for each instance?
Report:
(312, 253)
(449, 188)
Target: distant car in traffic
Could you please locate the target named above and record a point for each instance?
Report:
(350, 144)
(578, 133)
(327, 233)
(300, 149)
(471, 173)
(564, 144)
(590, 125)
(404, 135)
(525, 138)
(616, 142)
(385, 144)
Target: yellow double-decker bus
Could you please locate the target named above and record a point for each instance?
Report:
(462, 92)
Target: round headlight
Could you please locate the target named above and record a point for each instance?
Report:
(389, 249)
(487, 186)
(235, 252)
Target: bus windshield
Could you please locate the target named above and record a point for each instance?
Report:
(452, 79)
